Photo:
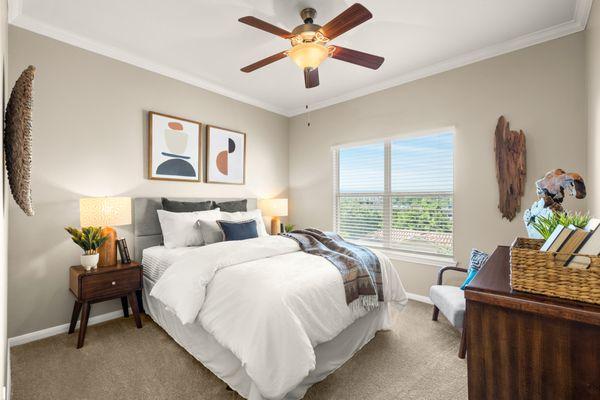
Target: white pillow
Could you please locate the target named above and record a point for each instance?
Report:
(246, 215)
(180, 229)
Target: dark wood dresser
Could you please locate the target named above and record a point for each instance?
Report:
(525, 346)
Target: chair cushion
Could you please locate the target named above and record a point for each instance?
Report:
(451, 302)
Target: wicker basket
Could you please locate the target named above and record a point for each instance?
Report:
(536, 271)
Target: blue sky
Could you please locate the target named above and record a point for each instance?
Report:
(419, 164)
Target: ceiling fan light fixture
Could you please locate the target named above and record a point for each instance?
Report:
(309, 42)
(308, 55)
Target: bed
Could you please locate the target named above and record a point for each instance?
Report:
(273, 352)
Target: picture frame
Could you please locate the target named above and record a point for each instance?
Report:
(174, 148)
(225, 160)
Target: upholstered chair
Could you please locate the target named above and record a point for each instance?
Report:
(450, 300)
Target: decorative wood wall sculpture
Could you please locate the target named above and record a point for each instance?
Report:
(17, 140)
(510, 168)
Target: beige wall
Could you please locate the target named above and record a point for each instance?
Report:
(592, 50)
(89, 140)
(539, 89)
(3, 204)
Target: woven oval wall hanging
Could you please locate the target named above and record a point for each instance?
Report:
(17, 140)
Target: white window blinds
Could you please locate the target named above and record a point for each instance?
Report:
(397, 193)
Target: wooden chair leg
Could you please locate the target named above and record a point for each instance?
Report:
(462, 351)
(436, 312)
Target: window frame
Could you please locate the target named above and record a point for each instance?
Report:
(416, 256)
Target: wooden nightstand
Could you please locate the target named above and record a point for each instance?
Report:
(100, 284)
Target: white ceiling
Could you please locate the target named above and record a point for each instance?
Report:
(201, 41)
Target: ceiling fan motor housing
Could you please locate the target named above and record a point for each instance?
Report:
(308, 15)
(308, 29)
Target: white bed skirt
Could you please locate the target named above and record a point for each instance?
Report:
(224, 364)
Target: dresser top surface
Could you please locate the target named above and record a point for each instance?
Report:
(494, 280)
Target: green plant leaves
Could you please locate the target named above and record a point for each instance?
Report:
(546, 225)
(88, 238)
(289, 227)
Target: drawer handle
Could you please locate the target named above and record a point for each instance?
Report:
(113, 283)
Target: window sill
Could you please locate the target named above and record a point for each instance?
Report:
(424, 259)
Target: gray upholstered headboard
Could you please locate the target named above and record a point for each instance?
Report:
(146, 228)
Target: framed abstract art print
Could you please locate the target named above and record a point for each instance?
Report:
(225, 156)
(173, 148)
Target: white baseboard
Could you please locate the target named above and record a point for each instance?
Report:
(56, 330)
(7, 389)
(418, 297)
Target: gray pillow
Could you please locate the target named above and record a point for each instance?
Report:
(211, 232)
(186, 206)
(232, 206)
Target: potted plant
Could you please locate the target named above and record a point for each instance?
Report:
(288, 228)
(545, 225)
(89, 239)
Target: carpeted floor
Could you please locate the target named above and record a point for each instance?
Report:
(416, 360)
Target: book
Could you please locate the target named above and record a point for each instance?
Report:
(592, 224)
(556, 239)
(590, 246)
(123, 251)
(571, 245)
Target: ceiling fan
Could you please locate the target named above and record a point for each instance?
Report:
(309, 42)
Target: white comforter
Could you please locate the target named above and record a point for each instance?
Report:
(267, 302)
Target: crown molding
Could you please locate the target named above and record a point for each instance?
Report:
(34, 25)
(577, 24)
(15, 8)
(582, 12)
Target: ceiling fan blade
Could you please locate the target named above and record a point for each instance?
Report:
(311, 77)
(357, 57)
(353, 16)
(265, 26)
(264, 61)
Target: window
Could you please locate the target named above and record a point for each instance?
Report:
(397, 193)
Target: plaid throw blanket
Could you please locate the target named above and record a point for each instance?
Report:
(359, 267)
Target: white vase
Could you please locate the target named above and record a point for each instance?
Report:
(89, 261)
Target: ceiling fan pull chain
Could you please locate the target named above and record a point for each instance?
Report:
(307, 116)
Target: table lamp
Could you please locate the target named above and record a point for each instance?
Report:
(274, 208)
(106, 212)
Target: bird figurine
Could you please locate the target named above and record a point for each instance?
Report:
(551, 190)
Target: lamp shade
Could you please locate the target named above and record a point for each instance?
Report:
(105, 211)
(274, 207)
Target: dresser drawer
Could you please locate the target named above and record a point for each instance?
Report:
(111, 284)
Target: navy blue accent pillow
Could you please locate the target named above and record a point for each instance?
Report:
(238, 230)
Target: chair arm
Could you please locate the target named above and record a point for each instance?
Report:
(444, 269)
